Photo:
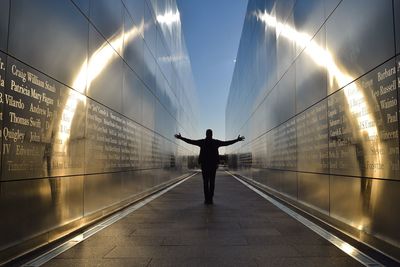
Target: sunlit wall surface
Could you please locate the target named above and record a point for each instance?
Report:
(92, 93)
(315, 92)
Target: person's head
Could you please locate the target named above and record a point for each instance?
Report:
(209, 134)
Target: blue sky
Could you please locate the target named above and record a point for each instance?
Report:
(212, 30)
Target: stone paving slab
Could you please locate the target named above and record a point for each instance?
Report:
(177, 229)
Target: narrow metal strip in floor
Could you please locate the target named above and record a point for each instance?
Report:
(342, 245)
(42, 259)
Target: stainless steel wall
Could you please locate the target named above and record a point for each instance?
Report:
(317, 84)
(92, 92)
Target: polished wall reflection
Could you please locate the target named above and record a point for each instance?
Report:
(320, 108)
(91, 94)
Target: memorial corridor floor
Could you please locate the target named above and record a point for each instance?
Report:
(177, 229)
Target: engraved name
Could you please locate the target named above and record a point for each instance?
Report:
(25, 121)
(2, 64)
(14, 135)
(20, 89)
(44, 84)
(20, 73)
(14, 103)
(385, 104)
(386, 73)
(37, 109)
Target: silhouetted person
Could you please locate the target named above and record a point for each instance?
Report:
(209, 160)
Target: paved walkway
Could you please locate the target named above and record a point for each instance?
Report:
(177, 229)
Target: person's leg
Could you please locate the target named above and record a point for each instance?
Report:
(212, 183)
(206, 181)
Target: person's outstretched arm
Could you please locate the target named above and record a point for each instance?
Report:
(230, 142)
(187, 140)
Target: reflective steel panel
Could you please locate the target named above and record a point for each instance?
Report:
(259, 148)
(105, 72)
(160, 119)
(105, 136)
(150, 28)
(40, 127)
(51, 36)
(32, 207)
(284, 9)
(150, 69)
(272, 108)
(132, 184)
(286, 49)
(311, 73)
(101, 191)
(136, 10)
(350, 199)
(131, 146)
(88, 111)
(333, 144)
(4, 9)
(272, 73)
(148, 108)
(314, 191)
(133, 45)
(287, 95)
(312, 139)
(308, 15)
(330, 6)
(367, 205)
(132, 95)
(363, 126)
(83, 5)
(397, 24)
(384, 222)
(351, 49)
(108, 17)
(148, 145)
(283, 148)
(289, 184)
(3, 64)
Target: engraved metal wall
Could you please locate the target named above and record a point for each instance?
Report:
(317, 83)
(91, 94)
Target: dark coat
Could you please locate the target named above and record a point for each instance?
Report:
(209, 156)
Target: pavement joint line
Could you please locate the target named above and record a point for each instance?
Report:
(48, 255)
(336, 241)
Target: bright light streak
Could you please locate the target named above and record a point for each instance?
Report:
(88, 72)
(77, 238)
(356, 100)
(347, 248)
(169, 18)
